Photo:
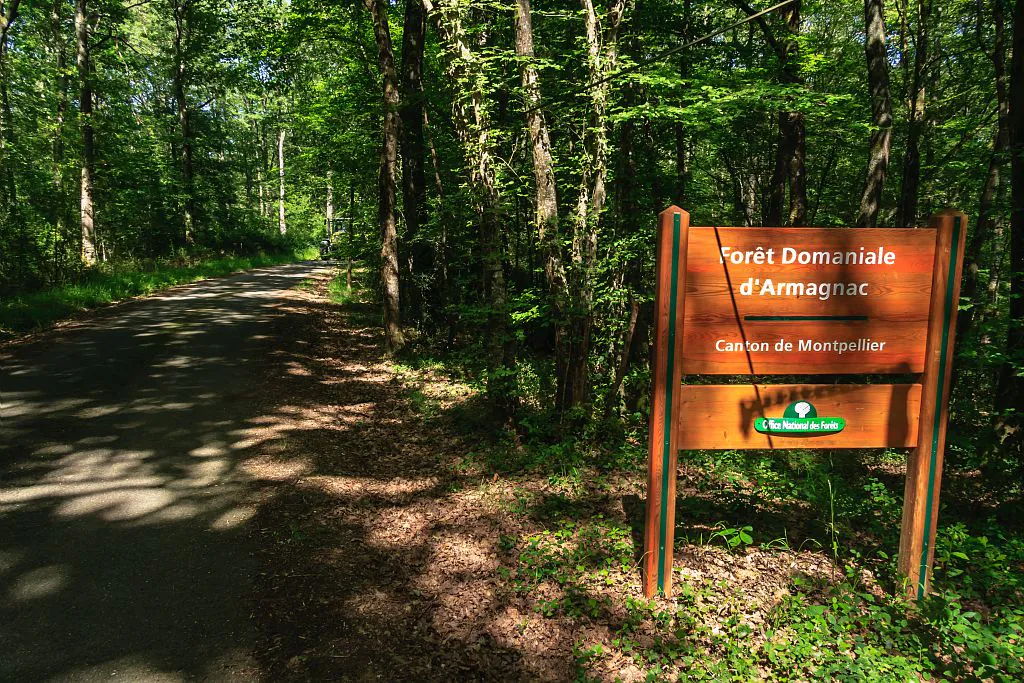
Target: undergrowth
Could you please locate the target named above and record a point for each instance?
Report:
(785, 566)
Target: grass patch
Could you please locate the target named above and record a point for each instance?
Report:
(110, 283)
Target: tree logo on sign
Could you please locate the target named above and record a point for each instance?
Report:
(800, 419)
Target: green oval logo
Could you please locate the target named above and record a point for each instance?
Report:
(800, 419)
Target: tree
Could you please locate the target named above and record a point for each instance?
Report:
(881, 112)
(906, 214)
(1010, 390)
(87, 210)
(182, 30)
(414, 181)
(8, 15)
(394, 339)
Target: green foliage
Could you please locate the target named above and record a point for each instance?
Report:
(733, 538)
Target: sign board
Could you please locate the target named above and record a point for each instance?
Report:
(806, 300)
(803, 301)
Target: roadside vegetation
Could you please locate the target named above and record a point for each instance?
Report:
(505, 555)
(119, 280)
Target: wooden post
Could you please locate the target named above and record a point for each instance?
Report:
(667, 374)
(924, 464)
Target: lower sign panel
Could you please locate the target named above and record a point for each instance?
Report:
(799, 416)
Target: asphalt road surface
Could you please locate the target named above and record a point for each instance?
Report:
(124, 547)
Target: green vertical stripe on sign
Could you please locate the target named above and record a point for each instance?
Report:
(666, 451)
(947, 314)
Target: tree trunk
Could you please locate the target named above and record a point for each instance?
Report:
(1010, 391)
(797, 169)
(545, 188)
(181, 36)
(60, 209)
(329, 208)
(282, 225)
(682, 142)
(87, 208)
(414, 199)
(630, 272)
(474, 132)
(8, 15)
(906, 214)
(351, 229)
(572, 352)
(988, 229)
(794, 121)
(790, 152)
(394, 340)
(261, 167)
(777, 188)
(881, 112)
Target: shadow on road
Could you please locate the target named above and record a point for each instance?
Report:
(124, 544)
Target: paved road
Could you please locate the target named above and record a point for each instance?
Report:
(124, 552)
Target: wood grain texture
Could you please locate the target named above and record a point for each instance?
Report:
(666, 372)
(924, 464)
(893, 309)
(722, 416)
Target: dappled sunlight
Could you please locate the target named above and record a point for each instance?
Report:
(371, 537)
(123, 513)
(38, 583)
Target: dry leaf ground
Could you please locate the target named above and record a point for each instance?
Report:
(388, 555)
(392, 551)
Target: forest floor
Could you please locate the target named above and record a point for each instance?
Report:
(401, 540)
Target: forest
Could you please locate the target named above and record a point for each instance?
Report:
(501, 166)
(488, 176)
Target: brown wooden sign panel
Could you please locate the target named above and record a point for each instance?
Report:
(803, 301)
(723, 417)
(807, 300)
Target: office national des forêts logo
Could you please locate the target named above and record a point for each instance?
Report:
(800, 419)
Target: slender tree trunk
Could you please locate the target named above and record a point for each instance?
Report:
(351, 230)
(797, 169)
(60, 213)
(414, 198)
(988, 229)
(181, 36)
(1010, 391)
(630, 273)
(282, 225)
(87, 209)
(572, 361)
(394, 340)
(682, 139)
(906, 214)
(881, 112)
(329, 208)
(262, 163)
(777, 188)
(444, 219)
(790, 152)
(8, 15)
(545, 188)
(794, 121)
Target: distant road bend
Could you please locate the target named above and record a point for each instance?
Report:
(124, 548)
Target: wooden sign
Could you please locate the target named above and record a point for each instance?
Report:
(803, 301)
(806, 300)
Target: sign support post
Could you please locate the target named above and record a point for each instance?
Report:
(666, 378)
(924, 463)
